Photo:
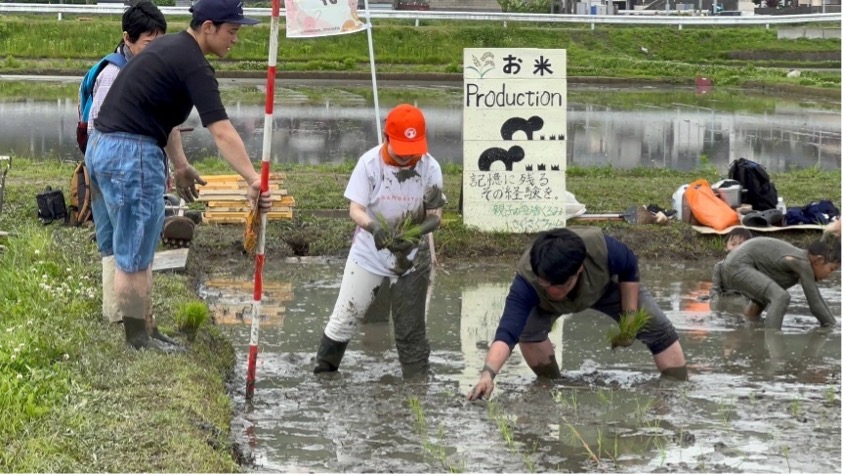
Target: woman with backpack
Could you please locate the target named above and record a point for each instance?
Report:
(763, 269)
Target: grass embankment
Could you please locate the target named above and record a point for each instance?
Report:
(73, 399)
(747, 56)
(602, 189)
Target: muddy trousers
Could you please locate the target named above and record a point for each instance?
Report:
(408, 307)
(762, 290)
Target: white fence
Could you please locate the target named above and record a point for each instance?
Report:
(116, 9)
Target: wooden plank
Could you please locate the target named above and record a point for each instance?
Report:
(239, 198)
(241, 219)
(241, 193)
(170, 260)
(270, 215)
(235, 185)
(238, 178)
(245, 210)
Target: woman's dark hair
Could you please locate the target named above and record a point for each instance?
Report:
(143, 17)
(557, 255)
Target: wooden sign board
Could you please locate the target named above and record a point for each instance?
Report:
(515, 139)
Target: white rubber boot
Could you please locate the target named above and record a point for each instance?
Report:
(111, 311)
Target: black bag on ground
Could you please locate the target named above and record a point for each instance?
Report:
(759, 191)
(51, 206)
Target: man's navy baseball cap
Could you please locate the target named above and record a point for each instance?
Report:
(221, 11)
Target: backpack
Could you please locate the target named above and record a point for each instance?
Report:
(51, 206)
(80, 195)
(86, 95)
(758, 190)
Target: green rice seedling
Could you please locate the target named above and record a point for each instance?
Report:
(578, 436)
(436, 450)
(571, 402)
(831, 395)
(606, 398)
(417, 411)
(630, 325)
(785, 451)
(795, 407)
(504, 427)
(641, 409)
(191, 316)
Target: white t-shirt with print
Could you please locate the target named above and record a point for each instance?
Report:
(392, 192)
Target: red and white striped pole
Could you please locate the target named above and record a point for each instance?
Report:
(265, 177)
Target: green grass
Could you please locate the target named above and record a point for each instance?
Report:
(728, 55)
(73, 398)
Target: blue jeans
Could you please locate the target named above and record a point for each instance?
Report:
(127, 184)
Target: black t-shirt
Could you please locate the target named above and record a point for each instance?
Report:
(157, 89)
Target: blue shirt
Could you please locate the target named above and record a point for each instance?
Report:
(522, 297)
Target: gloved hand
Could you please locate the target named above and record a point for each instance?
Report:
(401, 246)
(186, 180)
(430, 224)
(380, 236)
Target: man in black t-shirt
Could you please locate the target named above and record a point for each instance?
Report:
(125, 157)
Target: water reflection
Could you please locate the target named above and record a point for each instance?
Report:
(362, 419)
(338, 128)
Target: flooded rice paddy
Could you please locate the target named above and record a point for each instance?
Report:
(756, 402)
(320, 123)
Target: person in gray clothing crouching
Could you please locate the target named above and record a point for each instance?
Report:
(762, 269)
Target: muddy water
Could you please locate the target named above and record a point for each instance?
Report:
(756, 401)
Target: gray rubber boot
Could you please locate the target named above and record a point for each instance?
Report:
(418, 371)
(137, 337)
(329, 355)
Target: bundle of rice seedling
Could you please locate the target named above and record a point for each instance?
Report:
(630, 325)
(405, 230)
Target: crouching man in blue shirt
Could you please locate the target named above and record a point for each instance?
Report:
(565, 271)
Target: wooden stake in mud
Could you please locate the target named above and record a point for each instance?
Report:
(265, 175)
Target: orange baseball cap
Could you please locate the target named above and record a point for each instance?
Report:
(406, 129)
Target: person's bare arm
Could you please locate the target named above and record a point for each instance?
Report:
(232, 149)
(358, 213)
(628, 296)
(174, 149)
(494, 360)
(817, 305)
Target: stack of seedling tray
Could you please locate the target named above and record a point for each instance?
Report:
(225, 197)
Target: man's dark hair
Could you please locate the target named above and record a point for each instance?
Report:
(143, 17)
(557, 255)
(196, 24)
(740, 233)
(828, 247)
